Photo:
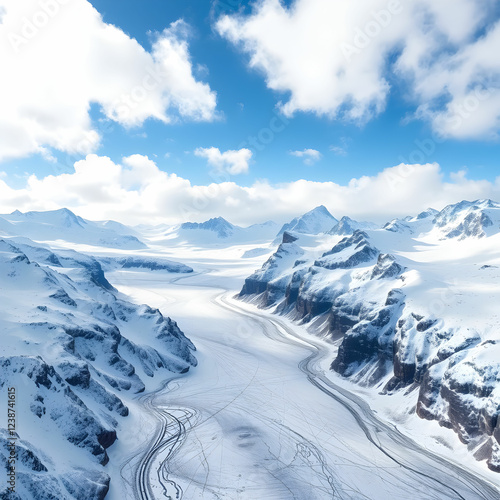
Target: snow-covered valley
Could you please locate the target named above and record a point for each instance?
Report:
(260, 413)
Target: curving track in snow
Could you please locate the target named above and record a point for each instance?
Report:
(449, 479)
(225, 435)
(173, 424)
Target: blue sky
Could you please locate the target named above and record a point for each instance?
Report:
(247, 106)
(246, 103)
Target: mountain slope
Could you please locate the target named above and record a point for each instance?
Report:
(412, 309)
(479, 218)
(75, 350)
(315, 221)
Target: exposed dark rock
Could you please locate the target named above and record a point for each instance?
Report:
(63, 297)
(386, 268)
(288, 238)
(361, 253)
(370, 339)
(86, 485)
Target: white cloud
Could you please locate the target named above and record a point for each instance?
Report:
(338, 150)
(310, 156)
(59, 58)
(47, 155)
(136, 191)
(336, 58)
(233, 162)
(341, 150)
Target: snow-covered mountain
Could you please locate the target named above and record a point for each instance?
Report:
(271, 279)
(466, 219)
(76, 351)
(413, 310)
(479, 218)
(220, 226)
(346, 226)
(65, 225)
(217, 231)
(316, 221)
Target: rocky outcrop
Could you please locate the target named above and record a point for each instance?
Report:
(268, 282)
(148, 263)
(468, 219)
(77, 349)
(462, 393)
(38, 479)
(370, 340)
(373, 304)
(56, 401)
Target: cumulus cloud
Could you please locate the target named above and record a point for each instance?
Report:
(337, 58)
(233, 162)
(310, 156)
(135, 191)
(59, 58)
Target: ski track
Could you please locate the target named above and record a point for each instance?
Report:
(152, 478)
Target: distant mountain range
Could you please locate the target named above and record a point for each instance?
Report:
(65, 225)
(217, 231)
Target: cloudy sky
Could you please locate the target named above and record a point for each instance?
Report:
(169, 110)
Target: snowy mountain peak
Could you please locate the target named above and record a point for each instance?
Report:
(218, 225)
(430, 212)
(346, 226)
(320, 209)
(61, 217)
(316, 221)
(469, 219)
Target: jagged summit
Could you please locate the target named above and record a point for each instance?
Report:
(219, 225)
(469, 219)
(466, 219)
(316, 221)
(430, 212)
(347, 226)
